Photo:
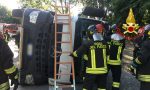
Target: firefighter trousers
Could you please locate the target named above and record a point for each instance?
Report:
(116, 75)
(145, 86)
(98, 79)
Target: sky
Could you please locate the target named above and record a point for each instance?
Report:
(10, 4)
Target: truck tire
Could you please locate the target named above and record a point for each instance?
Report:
(17, 13)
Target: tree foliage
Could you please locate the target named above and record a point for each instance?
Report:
(43, 4)
(5, 16)
(3, 11)
(141, 10)
(105, 4)
(40, 4)
(96, 3)
(117, 10)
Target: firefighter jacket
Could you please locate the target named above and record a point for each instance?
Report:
(115, 52)
(7, 69)
(143, 62)
(96, 52)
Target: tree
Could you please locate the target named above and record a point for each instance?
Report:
(96, 3)
(3, 11)
(117, 10)
(40, 4)
(5, 16)
(105, 4)
(141, 10)
(43, 4)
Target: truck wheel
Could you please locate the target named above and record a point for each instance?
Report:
(17, 13)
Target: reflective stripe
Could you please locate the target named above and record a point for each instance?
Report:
(137, 61)
(10, 70)
(75, 54)
(119, 52)
(96, 70)
(83, 78)
(116, 84)
(92, 59)
(115, 62)
(16, 76)
(105, 58)
(145, 78)
(101, 89)
(85, 57)
(4, 86)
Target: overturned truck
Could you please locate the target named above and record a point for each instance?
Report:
(37, 45)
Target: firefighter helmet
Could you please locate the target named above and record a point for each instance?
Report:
(99, 28)
(113, 28)
(147, 27)
(147, 31)
(93, 29)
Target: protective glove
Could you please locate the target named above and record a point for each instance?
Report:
(71, 55)
(132, 68)
(134, 64)
(15, 83)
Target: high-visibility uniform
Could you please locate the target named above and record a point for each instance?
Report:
(7, 69)
(143, 69)
(114, 61)
(96, 68)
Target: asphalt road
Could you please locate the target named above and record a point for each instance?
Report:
(128, 82)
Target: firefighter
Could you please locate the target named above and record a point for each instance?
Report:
(17, 38)
(96, 50)
(7, 69)
(116, 46)
(142, 62)
(84, 59)
(99, 28)
(6, 36)
(137, 42)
